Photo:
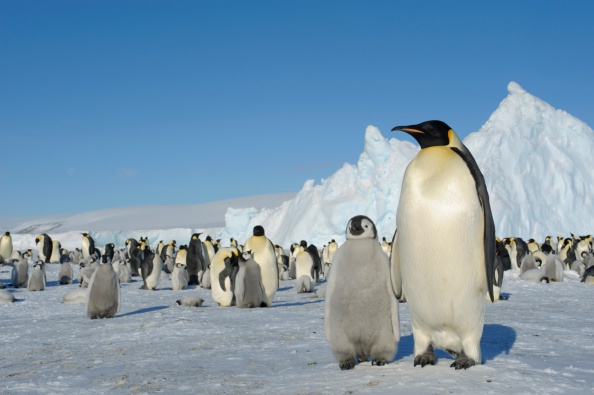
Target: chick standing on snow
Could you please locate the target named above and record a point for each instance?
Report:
(361, 307)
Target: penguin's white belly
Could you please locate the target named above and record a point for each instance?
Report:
(303, 265)
(440, 235)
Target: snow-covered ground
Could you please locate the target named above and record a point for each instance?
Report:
(540, 341)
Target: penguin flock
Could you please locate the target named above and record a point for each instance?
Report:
(444, 199)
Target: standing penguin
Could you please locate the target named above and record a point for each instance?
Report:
(65, 274)
(151, 268)
(124, 273)
(194, 259)
(103, 295)
(263, 252)
(44, 247)
(109, 250)
(5, 247)
(37, 278)
(444, 199)
(136, 257)
(305, 267)
(248, 283)
(88, 245)
(179, 277)
(361, 308)
(223, 270)
(20, 274)
(56, 247)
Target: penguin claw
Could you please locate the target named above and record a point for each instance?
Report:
(426, 358)
(347, 365)
(462, 362)
(378, 362)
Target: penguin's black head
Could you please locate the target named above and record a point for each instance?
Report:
(208, 238)
(303, 244)
(258, 230)
(429, 133)
(7, 234)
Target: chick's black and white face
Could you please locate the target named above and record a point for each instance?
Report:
(361, 227)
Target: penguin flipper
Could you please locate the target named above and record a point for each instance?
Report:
(395, 267)
(489, 224)
(225, 273)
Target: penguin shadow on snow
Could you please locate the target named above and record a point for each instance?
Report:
(142, 311)
(497, 339)
(297, 303)
(285, 289)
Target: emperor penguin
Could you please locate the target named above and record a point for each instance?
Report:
(103, 295)
(179, 277)
(6, 297)
(37, 278)
(248, 283)
(109, 250)
(88, 245)
(532, 246)
(135, 260)
(168, 251)
(124, 272)
(361, 316)
(65, 274)
(209, 248)
(503, 254)
(444, 199)
(56, 247)
(151, 269)
(588, 276)
(194, 259)
(20, 274)
(191, 301)
(293, 260)
(305, 267)
(44, 247)
(78, 296)
(263, 252)
(386, 247)
(553, 268)
(131, 245)
(223, 270)
(160, 247)
(5, 247)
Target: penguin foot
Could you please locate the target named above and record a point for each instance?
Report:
(378, 362)
(426, 358)
(362, 358)
(462, 362)
(347, 365)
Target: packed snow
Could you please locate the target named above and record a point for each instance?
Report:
(536, 163)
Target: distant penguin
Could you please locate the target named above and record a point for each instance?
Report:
(179, 277)
(503, 254)
(194, 258)
(248, 291)
(84, 276)
(6, 247)
(553, 268)
(109, 250)
(168, 264)
(124, 272)
(151, 269)
(131, 245)
(497, 280)
(209, 248)
(365, 324)
(20, 273)
(88, 245)
(78, 296)
(160, 247)
(304, 265)
(332, 248)
(579, 267)
(444, 199)
(528, 263)
(44, 247)
(37, 278)
(293, 260)
(386, 247)
(519, 249)
(6, 296)
(168, 251)
(205, 279)
(103, 295)
(263, 252)
(65, 274)
(532, 246)
(222, 280)
(191, 301)
(136, 258)
(540, 257)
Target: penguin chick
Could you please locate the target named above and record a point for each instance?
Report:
(191, 301)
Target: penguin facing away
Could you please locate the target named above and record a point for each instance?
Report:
(44, 247)
(444, 199)
(222, 280)
(65, 274)
(365, 323)
(103, 295)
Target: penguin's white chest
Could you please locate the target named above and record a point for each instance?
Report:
(440, 229)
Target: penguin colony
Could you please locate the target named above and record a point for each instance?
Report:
(443, 199)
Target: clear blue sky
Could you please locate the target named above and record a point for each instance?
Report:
(121, 103)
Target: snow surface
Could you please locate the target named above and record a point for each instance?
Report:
(540, 341)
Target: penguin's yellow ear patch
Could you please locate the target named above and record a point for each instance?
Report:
(450, 132)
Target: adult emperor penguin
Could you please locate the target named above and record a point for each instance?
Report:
(361, 307)
(55, 257)
(103, 295)
(248, 283)
(444, 199)
(263, 252)
(5, 247)
(88, 245)
(44, 247)
(222, 269)
(195, 259)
